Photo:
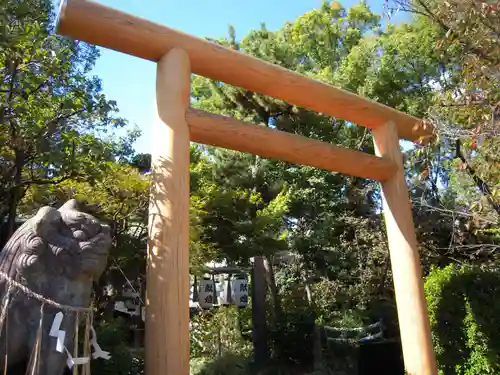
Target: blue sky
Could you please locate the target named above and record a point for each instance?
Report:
(131, 81)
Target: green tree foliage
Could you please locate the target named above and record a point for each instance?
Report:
(241, 208)
(228, 364)
(465, 111)
(463, 311)
(120, 197)
(332, 221)
(52, 112)
(216, 333)
(57, 141)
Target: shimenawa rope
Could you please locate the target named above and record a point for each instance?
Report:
(33, 369)
(42, 299)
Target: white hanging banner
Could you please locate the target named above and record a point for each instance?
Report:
(206, 294)
(239, 292)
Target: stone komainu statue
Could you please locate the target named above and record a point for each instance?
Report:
(57, 254)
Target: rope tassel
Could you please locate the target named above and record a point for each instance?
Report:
(86, 345)
(4, 318)
(75, 347)
(34, 367)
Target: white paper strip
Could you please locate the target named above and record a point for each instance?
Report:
(75, 361)
(56, 324)
(61, 335)
(98, 352)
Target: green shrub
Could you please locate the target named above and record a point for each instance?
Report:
(291, 339)
(228, 364)
(111, 336)
(231, 364)
(464, 311)
(215, 332)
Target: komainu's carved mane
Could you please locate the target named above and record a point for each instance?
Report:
(57, 254)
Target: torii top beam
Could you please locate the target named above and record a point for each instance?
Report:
(97, 24)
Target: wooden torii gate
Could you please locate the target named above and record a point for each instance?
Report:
(178, 55)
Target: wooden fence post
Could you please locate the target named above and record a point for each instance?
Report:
(259, 323)
(408, 284)
(167, 289)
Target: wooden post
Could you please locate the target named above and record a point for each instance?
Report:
(259, 323)
(408, 285)
(167, 293)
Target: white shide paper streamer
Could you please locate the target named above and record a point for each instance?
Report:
(60, 335)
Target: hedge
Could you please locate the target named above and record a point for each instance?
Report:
(464, 311)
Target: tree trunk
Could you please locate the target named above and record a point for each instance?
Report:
(273, 290)
(308, 291)
(317, 347)
(11, 217)
(15, 195)
(261, 350)
(480, 183)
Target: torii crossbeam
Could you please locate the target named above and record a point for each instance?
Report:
(178, 55)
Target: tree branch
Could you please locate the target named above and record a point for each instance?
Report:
(7, 106)
(55, 181)
(480, 183)
(427, 12)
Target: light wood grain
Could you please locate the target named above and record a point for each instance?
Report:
(167, 288)
(97, 24)
(227, 132)
(408, 284)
